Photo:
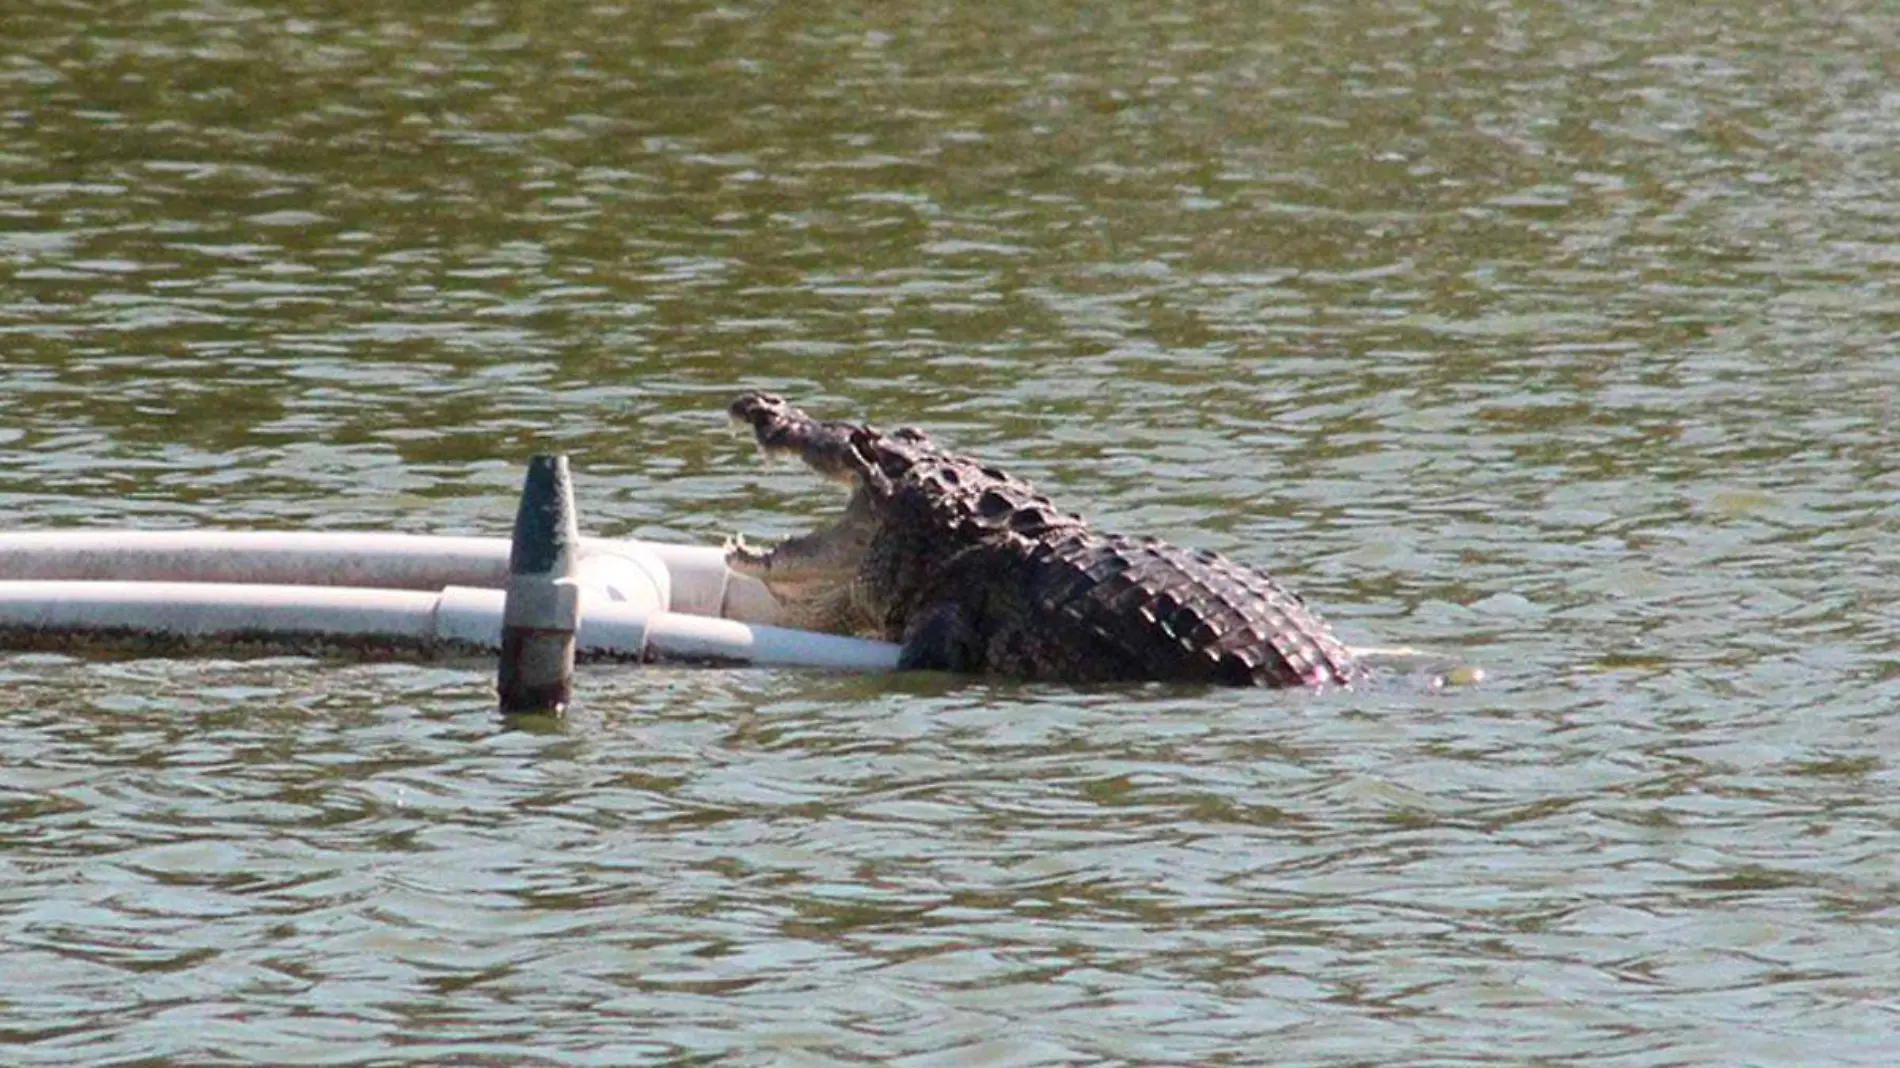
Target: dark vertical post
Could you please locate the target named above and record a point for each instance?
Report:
(542, 607)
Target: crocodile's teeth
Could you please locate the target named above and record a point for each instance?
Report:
(739, 552)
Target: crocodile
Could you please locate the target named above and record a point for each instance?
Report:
(974, 571)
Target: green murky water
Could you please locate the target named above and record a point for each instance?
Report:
(1557, 338)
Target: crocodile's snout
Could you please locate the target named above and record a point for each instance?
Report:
(756, 406)
(766, 414)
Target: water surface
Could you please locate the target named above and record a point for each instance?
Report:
(1554, 338)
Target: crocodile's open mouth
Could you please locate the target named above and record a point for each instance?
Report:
(814, 576)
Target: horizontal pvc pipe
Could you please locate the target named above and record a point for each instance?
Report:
(459, 617)
(677, 636)
(201, 608)
(700, 581)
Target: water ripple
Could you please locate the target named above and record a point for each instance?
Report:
(1555, 340)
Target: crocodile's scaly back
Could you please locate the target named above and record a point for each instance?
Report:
(1146, 609)
(974, 570)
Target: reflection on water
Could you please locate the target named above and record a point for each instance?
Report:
(1558, 339)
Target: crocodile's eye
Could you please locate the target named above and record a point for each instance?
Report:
(1030, 520)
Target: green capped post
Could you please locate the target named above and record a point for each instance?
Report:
(542, 608)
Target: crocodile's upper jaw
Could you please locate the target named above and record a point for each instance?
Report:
(782, 430)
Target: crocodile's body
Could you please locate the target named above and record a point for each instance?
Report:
(975, 571)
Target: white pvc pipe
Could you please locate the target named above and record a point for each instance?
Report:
(677, 636)
(700, 582)
(463, 615)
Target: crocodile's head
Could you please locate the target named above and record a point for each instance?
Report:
(912, 508)
(817, 578)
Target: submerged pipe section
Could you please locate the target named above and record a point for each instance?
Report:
(542, 609)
